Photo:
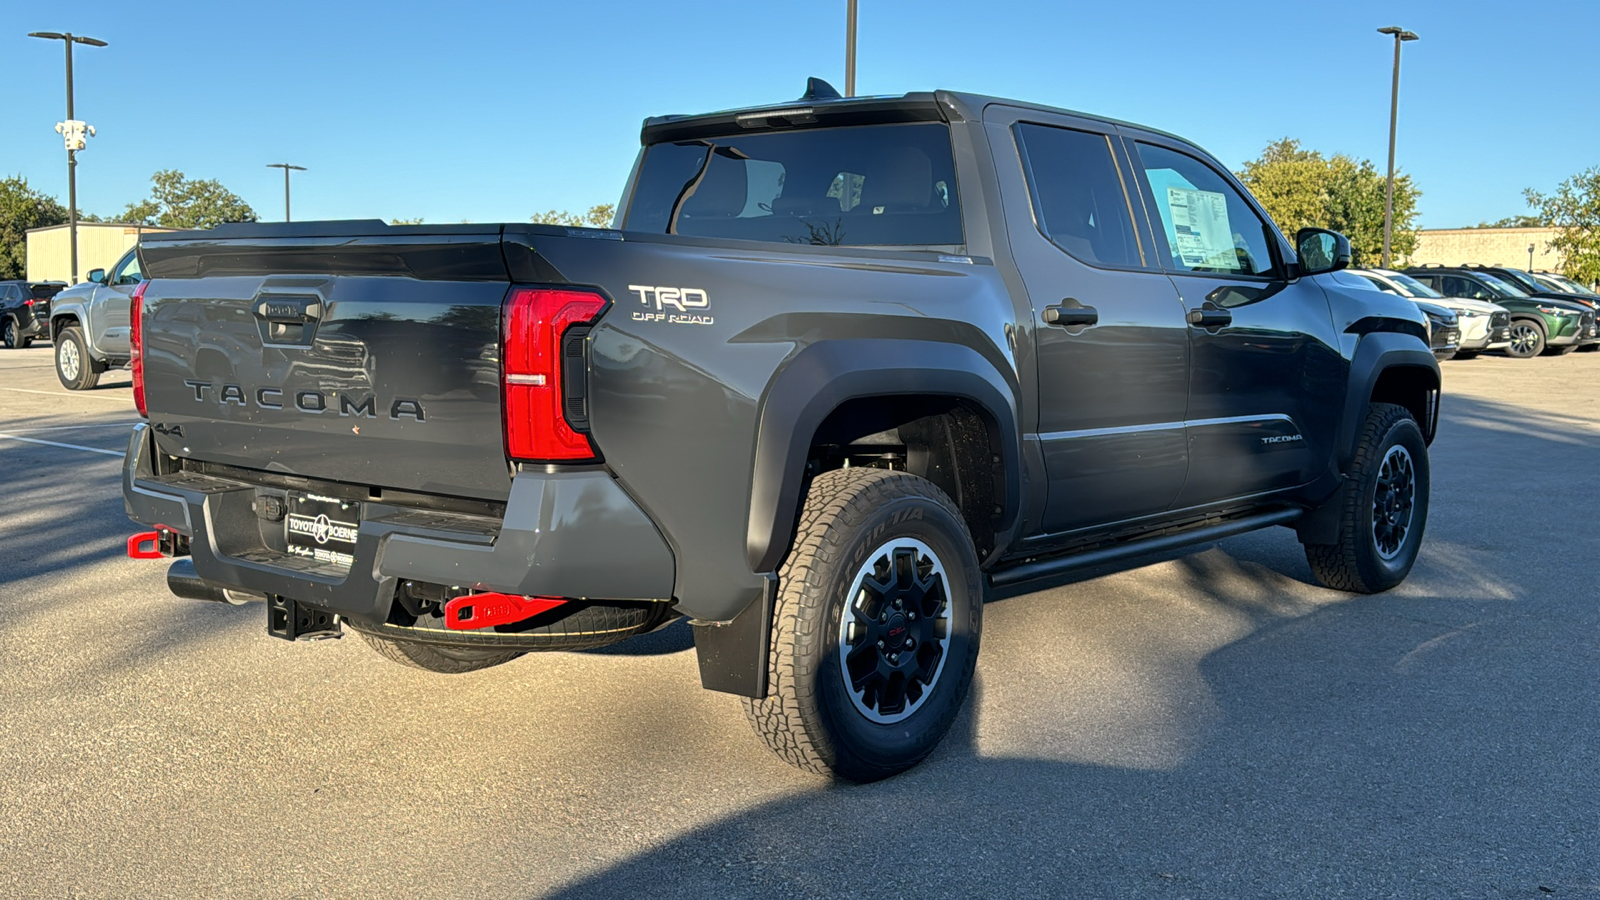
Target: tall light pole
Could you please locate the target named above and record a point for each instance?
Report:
(286, 167)
(1530, 257)
(72, 155)
(1400, 37)
(850, 49)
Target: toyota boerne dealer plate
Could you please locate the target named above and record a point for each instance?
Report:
(322, 528)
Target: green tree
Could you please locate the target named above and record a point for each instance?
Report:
(179, 202)
(1291, 183)
(22, 208)
(1303, 189)
(416, 221)
(1574, 211)
(597, 217)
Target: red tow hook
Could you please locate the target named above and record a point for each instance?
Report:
(159, 544)
(487, 610)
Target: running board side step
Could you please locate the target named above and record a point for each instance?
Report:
(1056, 565)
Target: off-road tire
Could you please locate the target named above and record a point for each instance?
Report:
(1536, 345)
(69, 342)
(810, 717)
(1354, 563)
(8, 336)
(437, 658)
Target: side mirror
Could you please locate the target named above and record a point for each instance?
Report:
(1321, 250)
(98, 276)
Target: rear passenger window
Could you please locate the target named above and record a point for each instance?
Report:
(1209, 226)
(1078, 197)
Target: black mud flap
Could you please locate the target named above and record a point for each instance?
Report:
(733, 654)
(295, 621)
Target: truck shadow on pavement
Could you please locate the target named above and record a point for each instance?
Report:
(1218, 726)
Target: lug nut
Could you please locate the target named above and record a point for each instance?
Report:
(898, 603)
(912, 616)
(881, 645)
(910, 643)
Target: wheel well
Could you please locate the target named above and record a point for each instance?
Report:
(1530, 317)
(1414, 387)
(60, 322)
(950, 441)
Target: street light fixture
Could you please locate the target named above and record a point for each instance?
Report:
(286, 167)
(73, 134)
(1400, 37)
(1530, 257)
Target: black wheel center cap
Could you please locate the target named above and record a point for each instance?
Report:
(895, 632)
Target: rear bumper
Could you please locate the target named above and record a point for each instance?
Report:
(566, 534)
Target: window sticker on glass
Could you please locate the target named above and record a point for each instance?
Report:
(1202, 238)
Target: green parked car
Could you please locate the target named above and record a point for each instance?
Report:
(1538, 324)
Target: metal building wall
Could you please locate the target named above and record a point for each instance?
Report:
(100, 245)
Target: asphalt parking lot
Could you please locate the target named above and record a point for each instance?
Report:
(1211, 725)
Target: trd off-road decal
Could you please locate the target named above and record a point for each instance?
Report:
(673, 305)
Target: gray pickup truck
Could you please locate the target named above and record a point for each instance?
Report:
(89, 324)
(843, 365)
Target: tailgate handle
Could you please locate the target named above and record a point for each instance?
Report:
(294, 311)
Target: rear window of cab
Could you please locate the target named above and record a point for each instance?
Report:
(860, 185)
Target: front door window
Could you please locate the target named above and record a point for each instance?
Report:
(1209, 227)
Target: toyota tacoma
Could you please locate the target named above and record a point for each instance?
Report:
(842, 366)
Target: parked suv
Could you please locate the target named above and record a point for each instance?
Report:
(89, 323)
(1483, 325)
(1567, 288)
(25, 311)
(1562, 283)
(1538, 324)
(846, 364)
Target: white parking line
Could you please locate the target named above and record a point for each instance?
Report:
(65, 394)
(12, 437)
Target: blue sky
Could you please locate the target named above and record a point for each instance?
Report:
(495, 111)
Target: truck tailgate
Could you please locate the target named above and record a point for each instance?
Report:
(370, 359)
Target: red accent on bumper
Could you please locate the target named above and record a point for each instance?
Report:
(145, 545)
(487, 610)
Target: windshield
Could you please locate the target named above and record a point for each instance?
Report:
(1499, 287)
(1523, 280)
(874, 185)
(1413, 287)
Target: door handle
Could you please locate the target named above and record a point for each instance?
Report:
(1210, 317)
(1071, 316)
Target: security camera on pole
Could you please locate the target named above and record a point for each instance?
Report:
(75, 133)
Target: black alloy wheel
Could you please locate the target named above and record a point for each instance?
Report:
(894, 630)
(1392, 502)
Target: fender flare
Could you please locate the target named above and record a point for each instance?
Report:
(60, 318)
(824, 375)
(1376, 353)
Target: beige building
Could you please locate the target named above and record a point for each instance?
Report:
(1487, 246)
(100, 245)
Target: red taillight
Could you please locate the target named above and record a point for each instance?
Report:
(27, 303)
(136, 343)
(534, 322)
